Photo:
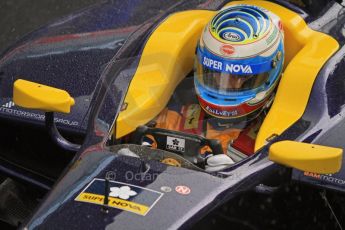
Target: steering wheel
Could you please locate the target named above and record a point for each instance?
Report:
(184, 144)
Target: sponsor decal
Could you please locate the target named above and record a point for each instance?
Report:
(222, 113)
(192, 119)
(238, 68)
(192, 116)
(123, 192)
(272, 37)
(231, 36)
(177, 144)
(166, 189)
(217, 65)
(230, 68)
(230, 65)
(325, 177)
(314, 175)
(172, 162)
(122, 196)
(227, 50)
(9, 104)
(229, 111)
(182, 189)
(7, 108)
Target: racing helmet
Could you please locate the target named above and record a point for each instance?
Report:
(239, 62)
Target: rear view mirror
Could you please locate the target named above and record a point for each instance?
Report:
(31, 95)
(307, 157)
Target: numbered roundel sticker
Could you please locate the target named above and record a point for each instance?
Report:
(182, 189)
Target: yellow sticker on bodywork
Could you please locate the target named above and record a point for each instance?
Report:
(122, 196)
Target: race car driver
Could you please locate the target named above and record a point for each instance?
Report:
(238, 64)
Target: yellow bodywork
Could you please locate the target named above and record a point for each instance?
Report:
(31, 95)
(306, 157)
(167, 58)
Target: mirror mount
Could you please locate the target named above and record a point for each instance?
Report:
(31, 95)
(56, 135)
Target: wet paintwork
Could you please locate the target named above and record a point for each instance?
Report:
(106, 94)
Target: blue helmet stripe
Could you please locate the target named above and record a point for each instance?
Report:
(213, 62)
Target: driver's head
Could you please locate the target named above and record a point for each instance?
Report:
(239, 61)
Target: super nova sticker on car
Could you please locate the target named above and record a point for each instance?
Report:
(122, 196)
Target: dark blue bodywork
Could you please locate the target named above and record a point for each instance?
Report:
(70, 54)
(93, 54)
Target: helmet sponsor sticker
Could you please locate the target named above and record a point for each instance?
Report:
(272, 37)
(121, 196)
(222, 113)
(217, 65)
(227, 50)
(229, 111)
(238, 68)
(231, 36)
(176, 144)
(230, 68)
(233, 66)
